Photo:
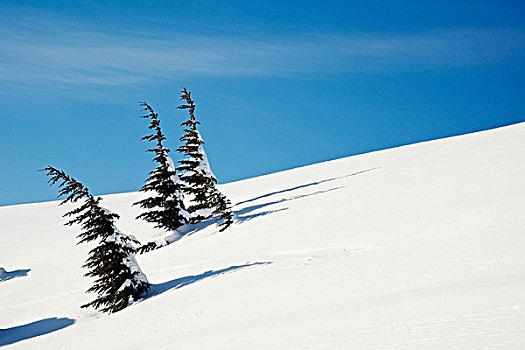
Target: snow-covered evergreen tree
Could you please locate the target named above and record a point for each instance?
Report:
(118, 278)
(196, 172)
(166, 204)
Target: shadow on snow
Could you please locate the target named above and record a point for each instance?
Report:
(34, 329)
(160, 288)
(7, 275)
(306, 185)
(244, 214)
(240, 216)
(248, 213)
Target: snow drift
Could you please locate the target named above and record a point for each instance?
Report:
(417, 247)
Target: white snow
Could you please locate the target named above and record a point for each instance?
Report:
(204, 165)
(417, 247)
(131, 262)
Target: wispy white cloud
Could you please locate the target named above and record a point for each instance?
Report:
(82, 57)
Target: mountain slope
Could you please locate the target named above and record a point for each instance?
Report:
(417, 247)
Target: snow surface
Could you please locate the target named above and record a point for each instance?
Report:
(417, 247)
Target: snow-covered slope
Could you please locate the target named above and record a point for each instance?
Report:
(417, 247)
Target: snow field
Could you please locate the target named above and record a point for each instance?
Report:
(417, 247)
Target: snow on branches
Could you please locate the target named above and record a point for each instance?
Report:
(205, 199)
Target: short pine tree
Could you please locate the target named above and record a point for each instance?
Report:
(118, 278)
(166, 205)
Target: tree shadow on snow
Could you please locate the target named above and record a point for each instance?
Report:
(34, 329)
(306, 185)
(245, 214)
(160, 288)
(249, 213)
(240, 216)
(7, 275)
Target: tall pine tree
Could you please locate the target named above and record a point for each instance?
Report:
(166, 205)
(118, 278)
(206, 200)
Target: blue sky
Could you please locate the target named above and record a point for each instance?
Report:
(277, 84)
